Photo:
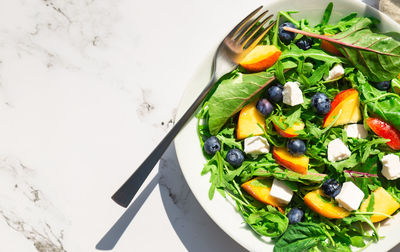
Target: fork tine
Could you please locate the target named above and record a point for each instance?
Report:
(254, 32)
(254, 41)
(242, 23)
(251, 25)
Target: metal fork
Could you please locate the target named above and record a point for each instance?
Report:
(235, 46)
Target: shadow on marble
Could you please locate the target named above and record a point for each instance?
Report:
(191, 223)
(111, 238)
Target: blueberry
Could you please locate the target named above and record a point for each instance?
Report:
(212, 145)
(275, 94)
(383, 85)
(331, 188)
(235, 157)
(264, 107)
(297, 147)
(295, 215)
(305, 43)
(285, 36)
(321, 103)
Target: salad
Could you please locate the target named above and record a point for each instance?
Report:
(305, 134)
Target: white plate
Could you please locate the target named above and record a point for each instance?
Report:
(190, 156)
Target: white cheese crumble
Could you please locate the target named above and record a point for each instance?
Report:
(256, 145)
(356, 130)
(391, 166)
(337, 150)
(350, 196)
(292, 94)
(335, 73)
(281, 192)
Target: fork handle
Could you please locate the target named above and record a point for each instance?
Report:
(124, 195)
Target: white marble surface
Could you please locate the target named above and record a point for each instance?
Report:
(87, 89)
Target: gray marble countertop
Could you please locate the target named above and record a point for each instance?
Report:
(87, 89)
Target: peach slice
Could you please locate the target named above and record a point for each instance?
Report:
(385, 130)
(291, 131)
(383, 203)
(260, 58)
(316, 202)
(329, 47)
(260, 188)
(249, 121)
(287, 160)
(346, 105)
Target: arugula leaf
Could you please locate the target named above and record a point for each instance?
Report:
(316, 54)
(267, 223)
(293, 117)
(310, 177)
(233, 94)
(327, 14)
(357, 241)
(364, 175)
(351, 162)
(300, 237)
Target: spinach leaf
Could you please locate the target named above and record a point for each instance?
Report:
(232, 95)
(379, 103)
(300, 237)
(376, 55)
(382, 63)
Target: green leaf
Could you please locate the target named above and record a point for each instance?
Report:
(351, 162)
(310, 177)
(376, 55)
(300, 237)
(279, 72)
(233, 94)
(387, 107)
(271, 224)
(319, 73)
(327, 14)
(357, 241)
(371, 203)
(316, 54)
(293, 117)
(396, 86)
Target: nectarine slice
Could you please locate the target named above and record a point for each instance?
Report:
(385, 130)
(249, 120)
(260, 58)
(383, 203)
(329, 47)
(260, 188)
(323, 206)
(291, 131)
(287, 160)
(345, 106)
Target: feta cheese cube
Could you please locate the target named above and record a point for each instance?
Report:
(256, 145)
(391, 166)
(335, 73)
(292, 94)
(337, 150)
(356, 130)
(281, 192)
(350, 196)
